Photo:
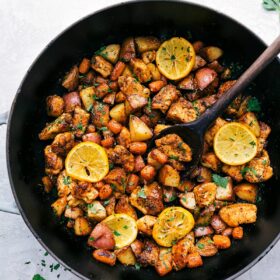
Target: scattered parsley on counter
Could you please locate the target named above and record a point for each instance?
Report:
(38, 277)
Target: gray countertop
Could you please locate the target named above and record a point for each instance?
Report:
(26, 27)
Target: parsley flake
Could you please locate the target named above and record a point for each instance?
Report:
(253, 105)
(220, 181)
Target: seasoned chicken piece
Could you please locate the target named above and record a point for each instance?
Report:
(126, 256)
(105, 256)
(47, 183)
(173, 146)
(61, 124)
(180, 251)
(202, 174)
(145, 224)
(116, 178)
(123, 206)
(148, 56)
(264, 133)
(102, 66)
(188, 83)
(188, 200)
(182, 111)
(137, 247)
(211, 132)
(73, 213)
(127, 49)
(206, 247)
(53, 162)
(124, 138)
(259, 169)
(166, 96)
(141, 70)
(101, 237)
(168, 176)
(100, 114)
(110, 205)
(205, 194)
(84, 191)
(122, 156)
(233, 171)
(80, 121)
(71, 79)
(250, 120)
(63, 143)
(202, 231)
(148, 199)
(164, 263)
(239, 213)
(96, 211)
(211, 161)
(202, 104)
(225, 193)
(149, 255)
(64, 184)
(169, 194)
(224, 87)
(59, 206)
(55, 105)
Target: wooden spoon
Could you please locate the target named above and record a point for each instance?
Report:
(193, 132)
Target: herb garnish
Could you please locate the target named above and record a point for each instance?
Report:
(220, 181)
(116, 233)
(38, 277)
(174, 157)
(137, 266)
(200, 245)
(253, 105)
(248, 169)
(66, 181)
(272, 5)
(141, 193)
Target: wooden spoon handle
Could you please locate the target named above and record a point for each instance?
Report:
(245, 79)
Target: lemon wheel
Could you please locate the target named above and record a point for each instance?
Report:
(172, 224)
(87, 161)
(175, 58)
(123, 227)
(235, 144)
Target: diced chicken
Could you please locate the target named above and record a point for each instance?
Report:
(80, 121)
(188, 83)
(55, 105)
(63, 143)
(102, 66)
(149, 56)
(100, 114)
(218, 224)
(211, 132)
(141, 70)
(264, 133)
(211, 161)
(205, 194)
(164, 263)
(225, 193)
(188, 200)
(163, 99)
(53, 162)
(233, 171)
(199, 62)
(123, 206)
(71, 79)
(250, 120)
(202, 174)
(148, 200)
(127, 50)
(84, 191)
(149, 255)
(64, 184)
(117, 178)
(59, 206)
(96, 211)
(224, 87)
(73, 213)
(145, 224)
(61, 124)
(137, 247)
(182, 111)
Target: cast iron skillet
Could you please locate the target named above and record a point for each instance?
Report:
(25, 151)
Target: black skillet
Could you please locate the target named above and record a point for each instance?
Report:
(164, 19)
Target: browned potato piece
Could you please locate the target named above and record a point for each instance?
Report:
(250, 120)
(168, 176)
(100, 114)
(63, 143)
(48, 184)
(206, 247)
(205, 194)
(96, 211)
(211, 53)
(71, 101)
(71, 79)
(59, 206)
(188, 200)
(53, 162)
(246, 191)
(105, 256)
(55, 105)
(149, 56)
(123, 206)
(82, 226)
(139, 131)
(141, 70)
(102, 66)
(127, 50)
(164, 98)
(145, 224)
(204, 77)
(211, 161)
(149, 255)
(73, 213)
(211, 132)
(182, 111)
(116, 178)
(202, 174)
(221, 241)
(239, 213)
(148, 43)
(80, 121)
(118, 113)
(110, 52)
(87, 95)
(226, 193)
(126, 256)
(164, 263)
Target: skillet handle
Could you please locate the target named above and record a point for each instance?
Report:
(4, 118)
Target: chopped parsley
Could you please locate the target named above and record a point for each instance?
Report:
(79, 126)
(253, 143)
(111, 165)
(113, 186)
(149, 105)
(106, 202)
(184, 199)
(66, 181)
(231, 139)
(96, 84)
(141, 193)
(200, 245)
(137, 266)
(38, 277)
(116, 233)
(91, 239)
(27, 262)
(248, 169)
(103, 128)
(253, 105)
(220, 181)
(264, 162)
(100, 51)
(174, 157)
(125, 227)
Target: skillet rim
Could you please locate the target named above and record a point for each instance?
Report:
(12, 109)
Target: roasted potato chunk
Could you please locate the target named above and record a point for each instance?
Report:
(140, 69)
(55, 105)
(149, 255)
(82, 226)
(71, 79)
(96, 211)
(105, 256)
(145, 224)
(239, 213)
(168, 176)
(246, 191)
(206, 247)
(127, 50)
(126, 256)
(148, 43)
(205, 194)
(59, 206)
(102, 66)
(110, 52)
(123, 206)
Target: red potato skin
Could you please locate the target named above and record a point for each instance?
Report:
(218, 224)
(71, 100)
(139, 164)
(202, 231)
(92, 137)
(227, 232)
(204, 77)
(101, 238)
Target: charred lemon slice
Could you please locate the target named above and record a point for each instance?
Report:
(175, 58)
(123, 227)
(235, 144)
(87, 161)
(172, 224)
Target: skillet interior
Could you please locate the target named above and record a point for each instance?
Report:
(25, 151)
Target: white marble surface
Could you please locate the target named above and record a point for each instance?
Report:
(26, 27)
